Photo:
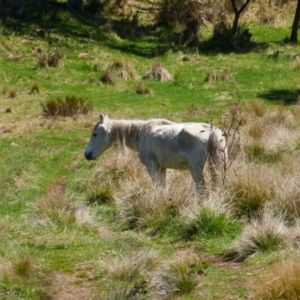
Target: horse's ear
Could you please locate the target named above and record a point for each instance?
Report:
(102, 118)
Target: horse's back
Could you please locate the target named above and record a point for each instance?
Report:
(177, 145)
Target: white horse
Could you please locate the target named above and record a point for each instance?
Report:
(162, 145)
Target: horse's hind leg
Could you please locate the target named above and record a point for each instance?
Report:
(198, 177)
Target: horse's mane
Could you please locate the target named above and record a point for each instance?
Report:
(128, 132)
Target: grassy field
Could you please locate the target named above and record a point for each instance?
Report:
(73, 229)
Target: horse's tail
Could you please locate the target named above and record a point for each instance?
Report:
(218, 155)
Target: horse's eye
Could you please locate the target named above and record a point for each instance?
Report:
(94, 134)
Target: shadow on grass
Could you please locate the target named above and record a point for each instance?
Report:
(281, 96)
(145, 41)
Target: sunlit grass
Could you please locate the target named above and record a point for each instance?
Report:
(104, 224)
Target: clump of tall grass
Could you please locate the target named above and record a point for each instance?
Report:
(118, 69)
(64, 210)
(272, 130)
(267, 232)
(280, 281)
(157, 72)
(142, 90)
(23, 275)
(123, 69)
(257, 108)
(288, 196)
(181, 275)
(212, 219)
(70, 106)
(107, 78)
(129, 273)
(257, 153)
(213, 76)
(51, 59)
(153, 208)
(13, 93)
(100, 195)
(131, 265)
(35, 89)
(124, 171)
(250, 187)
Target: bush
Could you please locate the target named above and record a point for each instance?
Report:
(185, 13)
(93, 7)
(224, 38)
(67, 107)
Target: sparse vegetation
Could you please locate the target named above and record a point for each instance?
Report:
(67, 107)
(51, 59)
(141, 89)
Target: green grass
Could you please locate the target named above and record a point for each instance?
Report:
(45, 179)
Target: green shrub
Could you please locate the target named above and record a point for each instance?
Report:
(67, 107)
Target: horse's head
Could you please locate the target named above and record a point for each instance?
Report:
(100, 138)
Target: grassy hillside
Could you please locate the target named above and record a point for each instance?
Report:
(73, 229)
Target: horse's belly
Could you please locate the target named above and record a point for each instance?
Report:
(174, 163)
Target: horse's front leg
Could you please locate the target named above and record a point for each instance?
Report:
(157, 174)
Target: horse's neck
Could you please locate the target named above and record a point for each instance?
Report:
(127, 132)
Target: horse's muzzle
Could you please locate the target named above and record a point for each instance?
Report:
(89, 155)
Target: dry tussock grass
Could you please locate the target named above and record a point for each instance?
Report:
(25, 269)
(269, 231)
(271, 130)
(223, 75)
(149, 274)
(250, 187)
(34, 123)
(122, 171)
(131, 265)
(270, 139)
(118, 70)
(157, 72)
(154, 204)
(280, 281)
(288, 195)
(128, 276)
(180, 275)
(62, 210)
